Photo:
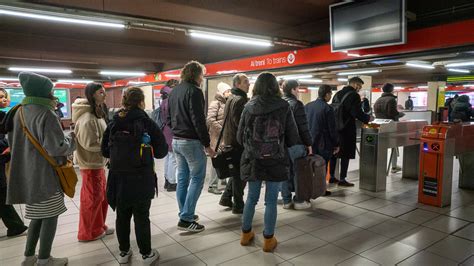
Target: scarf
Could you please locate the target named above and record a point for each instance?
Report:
(238, 92)
(51, 104)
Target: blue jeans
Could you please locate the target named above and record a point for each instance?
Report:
(295, 152)
(170, 167)
(214, 180)
(271, 197)
(190, 173)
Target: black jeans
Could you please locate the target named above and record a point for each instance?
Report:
(235, 189)
(8, 214)
(344, 167)
(141, 213)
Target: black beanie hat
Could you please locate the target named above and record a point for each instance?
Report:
(387, 87)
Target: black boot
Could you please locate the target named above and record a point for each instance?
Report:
(171, 187)
(167, 184)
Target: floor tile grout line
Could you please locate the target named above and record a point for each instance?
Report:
(358, 253)
(472, 256)
(177, 242)
(356, 256)
(444, 257)
(326, 244)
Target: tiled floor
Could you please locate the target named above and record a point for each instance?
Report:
(352, 227)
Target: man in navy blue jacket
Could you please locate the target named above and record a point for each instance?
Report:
(322, 124)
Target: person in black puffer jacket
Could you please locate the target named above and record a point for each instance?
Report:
(462, 109)
(130, 190)
(266, 129)
(9, 216)
(301, 149)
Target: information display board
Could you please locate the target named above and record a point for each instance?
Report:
(16, 95)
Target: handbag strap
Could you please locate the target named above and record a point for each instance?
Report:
(222, 131)
(35, 142)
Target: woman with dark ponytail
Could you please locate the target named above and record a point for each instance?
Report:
(89, 118)
(131, 140)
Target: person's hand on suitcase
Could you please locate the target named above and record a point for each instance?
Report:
(310, 150)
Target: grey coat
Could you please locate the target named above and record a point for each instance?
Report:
(32, 178)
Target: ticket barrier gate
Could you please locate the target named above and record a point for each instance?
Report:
(381, 135)
(439, 144)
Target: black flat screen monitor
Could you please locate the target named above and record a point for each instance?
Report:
(367, 24)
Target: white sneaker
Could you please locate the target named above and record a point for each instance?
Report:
(124, 257)
(109, 231)
(152, 258)
(288, 206)
(29, 261)
(54, 262)
(396, 169)
(302, 205)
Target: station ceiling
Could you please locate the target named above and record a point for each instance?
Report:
(87, 50)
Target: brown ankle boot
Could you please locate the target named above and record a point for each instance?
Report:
(245, 238)
(269, 244)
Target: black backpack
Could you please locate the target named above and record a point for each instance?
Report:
(265, 134)
(128, 153)
(339, 112)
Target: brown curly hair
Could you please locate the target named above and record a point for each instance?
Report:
(132, 98)
(191, 71)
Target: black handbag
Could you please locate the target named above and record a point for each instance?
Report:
(227, 160)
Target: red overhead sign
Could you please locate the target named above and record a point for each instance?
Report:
(437, 37)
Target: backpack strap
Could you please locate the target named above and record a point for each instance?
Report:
(345, 97)
(35, 142)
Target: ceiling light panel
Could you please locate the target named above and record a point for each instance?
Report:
(121, 73)
(359, 72)
(40, 70)
(459, 70)
(229, 38)
(63, 18)
(418, 65)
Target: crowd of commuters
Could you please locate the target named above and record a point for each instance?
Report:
(268, 132)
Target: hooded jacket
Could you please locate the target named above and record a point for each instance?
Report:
(139, 185)
(462, 109)
(215, 119)
(386, 107)
(300, 118)
(163, 112)
(89, 131)
(275, 170)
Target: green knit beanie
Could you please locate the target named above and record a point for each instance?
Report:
(35, 85)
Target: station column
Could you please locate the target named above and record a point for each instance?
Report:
(433, 91)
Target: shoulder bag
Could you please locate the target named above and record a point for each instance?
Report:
(66, 173)
(226, 160)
